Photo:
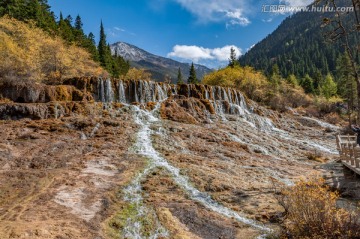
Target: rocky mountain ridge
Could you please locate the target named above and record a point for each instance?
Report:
(160, 67)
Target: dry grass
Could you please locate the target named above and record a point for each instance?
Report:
(316, 156)
(29, 53)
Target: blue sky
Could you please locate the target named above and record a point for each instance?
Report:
(201, 31)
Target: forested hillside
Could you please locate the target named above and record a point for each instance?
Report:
(37, 13)
(300, 46)
(27, 52)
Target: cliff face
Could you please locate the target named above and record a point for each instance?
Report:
(200, 101)
(21, 92)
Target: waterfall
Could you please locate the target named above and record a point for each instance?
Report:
(219, 109)
(230, 97)
(101, 90)
(225, 96)
(105, 91)
(109, 93)
(212, 93)
(122, 96)
(135, 92)
(160, 93)
(146, 91)
(206, 94)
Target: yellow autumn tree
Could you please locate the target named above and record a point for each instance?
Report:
(246, 79)
(29, 53)
(137, 74)
(257, 87)
(312, 211)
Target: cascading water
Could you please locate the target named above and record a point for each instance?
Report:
(224, 100)
(109, 93)
(122, 96)
(144, 147)
(206, 94)
(101, 90)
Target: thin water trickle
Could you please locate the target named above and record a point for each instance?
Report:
(109, 93)
(101, 90)
(144, 147)
(122, 96)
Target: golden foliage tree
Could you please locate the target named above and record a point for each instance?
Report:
(246, 79)
(137, 74)
(257, 87)
(27, 52)
(311, 211)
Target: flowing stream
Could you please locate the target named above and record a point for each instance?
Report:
(145, 148)
(225, 101)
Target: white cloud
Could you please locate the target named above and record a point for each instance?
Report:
(223, 54)
(197, 53)
(267, 20)
(229, 11)
(116, 32)
(119, 29)
(297, 3)
(194, 53)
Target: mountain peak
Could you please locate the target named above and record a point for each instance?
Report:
(129, 52)
(160, 67)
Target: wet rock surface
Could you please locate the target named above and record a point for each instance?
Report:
(56, 185)
(66, 167)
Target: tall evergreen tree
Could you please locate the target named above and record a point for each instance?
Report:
(318, 80)
(328, 87)
(275, 77)
(65, 28)
(233, 61)
(291, 79)
(103, 49)
(192, 77)
(308, 84)
(23, 10)
(180, 79)
(90, 45)
(78, 23)
(346, 81)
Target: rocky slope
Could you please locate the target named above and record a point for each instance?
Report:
(147, 160)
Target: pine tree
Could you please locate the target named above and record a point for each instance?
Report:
(308, 84)
(346, 81)
(192, 76)
(104, 52)
(78, 23)
(23, 10)
(328, 87)
(275, 77)
(180, 79)
(318, 80)
(233, 61)
(65, 28)
(90, 45)
(291, 79)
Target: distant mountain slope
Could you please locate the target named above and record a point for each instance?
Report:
(298, 46)
(160, 67)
